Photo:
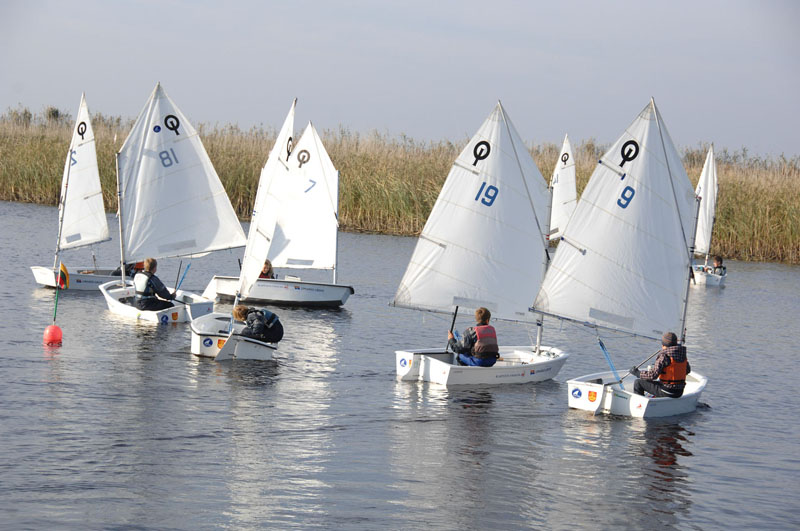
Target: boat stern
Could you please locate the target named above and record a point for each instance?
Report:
(407, 364)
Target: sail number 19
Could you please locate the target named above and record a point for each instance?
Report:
(489, 194)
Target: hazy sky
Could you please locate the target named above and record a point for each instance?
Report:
(725, 71)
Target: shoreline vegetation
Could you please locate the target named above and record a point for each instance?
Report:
(389, 184)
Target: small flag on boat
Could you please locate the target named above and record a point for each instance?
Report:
(63, 277)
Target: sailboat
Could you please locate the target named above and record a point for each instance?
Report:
(82, 217)
(216, 335)
(707, 189)
(483, 245)
(624, 262)
(562, 190)
(171, 204)
(305, 235)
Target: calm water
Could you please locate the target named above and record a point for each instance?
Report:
(123, 427)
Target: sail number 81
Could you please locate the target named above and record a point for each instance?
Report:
(489, 194)
(625, 198)
(168, 158)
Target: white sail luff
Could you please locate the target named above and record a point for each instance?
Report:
(483, 242)
(562, 185)
(265, 208)
(626, 266)
(707, 190)
(82, 216)
(172, 201)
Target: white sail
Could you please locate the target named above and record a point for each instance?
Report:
(484, 241)
(172, 202)
(562, 184)
(707, 189)
(306, 229)
(83, 215)
(623, 262)
(266, 207)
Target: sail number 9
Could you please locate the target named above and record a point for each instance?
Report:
(625, 198)
(168, 158)
(489, 194)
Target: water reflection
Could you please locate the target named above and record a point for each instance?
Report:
(281, 443)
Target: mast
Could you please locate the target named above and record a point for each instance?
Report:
(546, 261)
(63, 205)
(689, 248)
(336, 243)
(714, 216)
(119, 216)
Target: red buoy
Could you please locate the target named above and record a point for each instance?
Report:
(52, 336)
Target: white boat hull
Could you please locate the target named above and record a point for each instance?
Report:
(88, 281)
(192, 307)
(590, 394)
(281, 291)
(211, 339)
(703, 278)
(516, 365)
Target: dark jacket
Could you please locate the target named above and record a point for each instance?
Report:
(263, 325)
(146, 298)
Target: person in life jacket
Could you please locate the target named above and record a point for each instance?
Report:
(668, 376)
(261, 324)
(478, 346)
(718, 268)
(267, 271)
(151, 294)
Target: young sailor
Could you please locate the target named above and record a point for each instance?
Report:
(668, 376)
(149, 288)
(478, 346)
(261, 324)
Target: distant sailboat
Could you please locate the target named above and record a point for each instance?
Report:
(623, 263)
(707, 190)
(82, 216)
(562, 189)
(305, 233)
(483, 245)
(171, 203)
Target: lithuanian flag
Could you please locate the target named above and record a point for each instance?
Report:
(63, 277)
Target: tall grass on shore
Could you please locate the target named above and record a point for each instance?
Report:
(389, 185)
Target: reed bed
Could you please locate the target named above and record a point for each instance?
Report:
(389, 184)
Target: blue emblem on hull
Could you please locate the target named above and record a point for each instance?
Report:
(207, 342)
(576, 393)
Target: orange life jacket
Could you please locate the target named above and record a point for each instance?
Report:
(485, 342)
(674, 373)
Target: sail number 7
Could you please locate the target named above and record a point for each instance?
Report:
(489, 194)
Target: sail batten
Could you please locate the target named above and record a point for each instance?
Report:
(483, 242)
(627, 266)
